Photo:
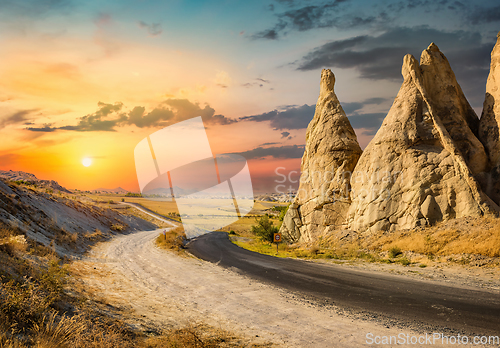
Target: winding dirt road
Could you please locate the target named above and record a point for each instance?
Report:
(154, 289)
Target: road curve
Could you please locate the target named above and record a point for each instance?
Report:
(421, 304)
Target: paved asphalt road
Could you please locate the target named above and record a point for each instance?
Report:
(420, 304)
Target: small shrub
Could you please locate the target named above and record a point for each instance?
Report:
(283, 213)
(232, 233)
(94, 236)
(264, 229)
(173, 239)
(54, 278)
(51, 332)
(404, 261)
(117, 227)
(314, 250)
(394, 252)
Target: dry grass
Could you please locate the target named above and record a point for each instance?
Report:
(37, 311)
(11, 242)
(460, 240)
(117, 227)
(53, 332)
(192, 337)
(469, 236)
(172, 239)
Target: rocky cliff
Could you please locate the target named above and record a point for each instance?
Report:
(489, 125)
(427, 162)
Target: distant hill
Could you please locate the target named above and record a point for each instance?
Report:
(117, 190)
(29, 178)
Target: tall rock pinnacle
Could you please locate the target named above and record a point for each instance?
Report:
(489, 125)
(331, 153)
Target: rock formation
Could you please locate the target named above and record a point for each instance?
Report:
(415, 171)
(424, 164)
(489, 125)
(331, 149)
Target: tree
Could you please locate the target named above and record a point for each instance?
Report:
(264, 229)
(283, 212)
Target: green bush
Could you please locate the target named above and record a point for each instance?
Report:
(394, 252)
(404, 261)
(264, 229)
(283, 213)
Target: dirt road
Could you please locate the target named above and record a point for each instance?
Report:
(157, 288)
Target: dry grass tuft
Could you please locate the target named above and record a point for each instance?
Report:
(478, 236)
(199, 336)
(173, 239)
(53, 332)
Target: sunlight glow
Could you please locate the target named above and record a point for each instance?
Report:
(87, 161)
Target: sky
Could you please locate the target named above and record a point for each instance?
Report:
(92, 79)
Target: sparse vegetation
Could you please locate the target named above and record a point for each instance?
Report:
(282, 209)
(37, 311)
(131, 194)
(458, 241)
(117, 227)
(264, 229)
(394, 252)
(172, 239)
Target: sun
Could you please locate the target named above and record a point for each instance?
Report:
(87, 162)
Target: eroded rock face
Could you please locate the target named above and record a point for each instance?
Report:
(490, 123)
(331, 150)
(427, 162)
(453, 109)
(418, 168)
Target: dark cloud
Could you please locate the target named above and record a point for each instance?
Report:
(140, 118)
(268, 144)
(482, 15)
(270, 34)
(97, 122)
(184, 109)
(298, 117)
(300, 16)
(380, 57)
(153, 29)
(110, 116)
(260, 83)
(46, 128)
(16, 118)
(289, 118)
(371, 122)
(282, 152)
(352, 108)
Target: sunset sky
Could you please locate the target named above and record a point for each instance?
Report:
(90, 79)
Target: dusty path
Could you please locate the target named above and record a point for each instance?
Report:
(154, 288)
(162, 289)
